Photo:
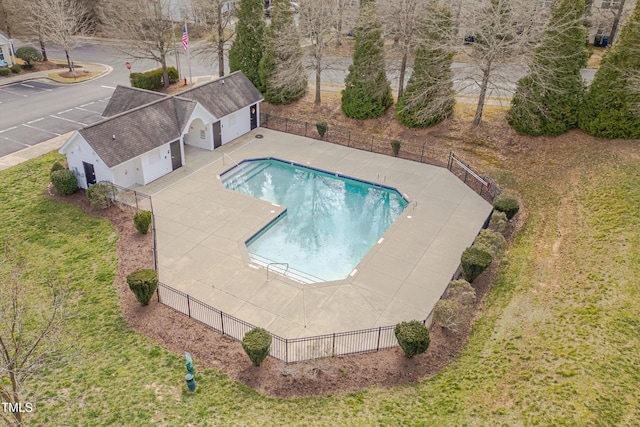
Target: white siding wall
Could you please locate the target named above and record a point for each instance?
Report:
(6, 52)
(79, 151)
(156, 163)
(128, 173)
(235, 124)
(197, 129)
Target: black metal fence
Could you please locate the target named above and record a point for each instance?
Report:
(138, 201)
(287, 350)
(415, 151)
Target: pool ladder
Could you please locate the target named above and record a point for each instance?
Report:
(277, 263)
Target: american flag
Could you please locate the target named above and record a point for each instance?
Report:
(185, 37)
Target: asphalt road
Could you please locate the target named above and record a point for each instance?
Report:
(37, 110)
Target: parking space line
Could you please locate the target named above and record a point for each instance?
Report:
(90, 111)
(108, 87)
(26, 85)
(42, 130)
(16, 141)
(65, 111)
(13, 93)
(35, 121)
(7, 129)
(84, 105)
(69, 120)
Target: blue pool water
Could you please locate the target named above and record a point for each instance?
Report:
(331, 221)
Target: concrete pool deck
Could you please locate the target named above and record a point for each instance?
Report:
(201, 230)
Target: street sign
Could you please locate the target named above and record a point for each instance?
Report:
(128, 65)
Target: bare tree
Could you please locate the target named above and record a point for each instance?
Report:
(499, 33)
(32, 318)
(403, 19)
(217, 15)
(316, 24)
(59, 21)
(146, 29)
(345, 18)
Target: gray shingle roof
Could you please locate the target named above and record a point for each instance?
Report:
(127, 98)
(225, 95)
(138, 130)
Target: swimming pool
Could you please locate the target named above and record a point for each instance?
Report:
(331, 221)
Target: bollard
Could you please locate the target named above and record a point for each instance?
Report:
(191, 382)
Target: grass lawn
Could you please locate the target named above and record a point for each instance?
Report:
(557, 344)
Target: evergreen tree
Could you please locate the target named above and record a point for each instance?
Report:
(546, 101)
(610, 109)
(246, 51)
(367, 92)
(282, 74)
(429, 96)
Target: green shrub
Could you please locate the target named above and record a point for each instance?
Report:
(64, 181)
(474, 261)
(101, 195)
(152, 80)
(506, 204)
(142, 221)
(498, 221)
(395, 146)
(256, 344)
(461, 291)
(16, 68)
(56, 166)
(4, 72)
(143, 284)
(322, 128)
(29, 54)
(413, 337)
(450, 314)
(492, 242)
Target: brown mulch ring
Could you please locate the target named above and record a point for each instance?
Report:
(178, 333)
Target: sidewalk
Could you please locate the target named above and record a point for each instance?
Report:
(23, 77)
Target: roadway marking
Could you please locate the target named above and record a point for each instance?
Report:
(42, 130)
(26, 85)
(35, 121)
(84, 105)
(90, 111)
(65, 111)
(7, 129)
(16, 141)
(13, 93)
(108, 87)
(69, 120)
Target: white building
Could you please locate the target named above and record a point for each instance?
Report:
(6, 50)
(144, 134)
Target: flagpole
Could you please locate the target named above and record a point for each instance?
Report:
(175, 44)
(188, 56)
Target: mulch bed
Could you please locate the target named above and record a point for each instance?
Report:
(178, 333)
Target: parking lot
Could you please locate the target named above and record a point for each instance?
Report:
(34, 131)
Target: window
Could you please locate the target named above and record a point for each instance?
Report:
(1, 55)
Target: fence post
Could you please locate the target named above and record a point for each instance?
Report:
(465, 176)
(158, 292)
(222, 322)
(286, 350)
(188, 305)
(372, 144)
(135, 196)
(379, 332)
(333, 345)
(286, 123)
(349, 140)
(422, 155)
(305, 129)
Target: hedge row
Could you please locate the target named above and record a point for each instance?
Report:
(152, 80)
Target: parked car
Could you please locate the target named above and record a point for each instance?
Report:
(293, 7)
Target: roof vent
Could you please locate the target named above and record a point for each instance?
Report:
(113, 137)
(222, 81)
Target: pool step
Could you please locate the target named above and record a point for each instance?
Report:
(291, 273)
(238, 178)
